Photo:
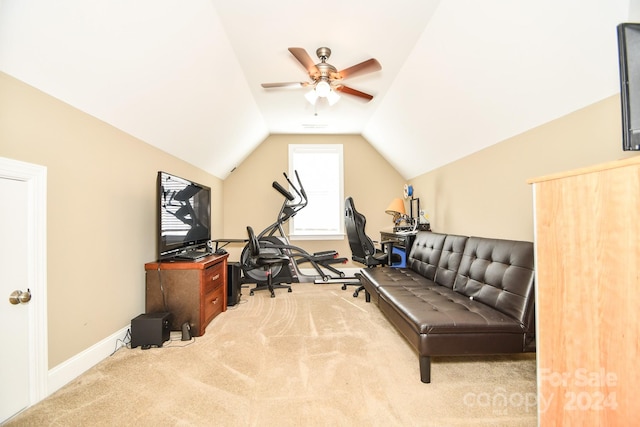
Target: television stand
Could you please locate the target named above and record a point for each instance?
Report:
(194, 291)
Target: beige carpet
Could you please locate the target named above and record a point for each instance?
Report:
(313, 357)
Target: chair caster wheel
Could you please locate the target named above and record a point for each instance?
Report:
(355, 294)
(251, 293)
(273, 295)
(344, 287)
(290, 290)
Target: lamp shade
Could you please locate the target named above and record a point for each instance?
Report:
(332, 97)
(323, 88)
(311, 96)
(396, 207)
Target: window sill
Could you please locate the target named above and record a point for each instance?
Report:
(316, 237)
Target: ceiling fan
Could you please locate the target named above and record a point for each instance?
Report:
(326, 80)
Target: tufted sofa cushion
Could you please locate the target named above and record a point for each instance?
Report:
(435, 309)
(498, 273)
(425, 253)
(449, 262)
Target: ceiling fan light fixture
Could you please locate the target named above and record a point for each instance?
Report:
(323, 89)
(333, 97)
(311, 96)
(323, 75)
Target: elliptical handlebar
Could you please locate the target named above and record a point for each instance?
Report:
(283, 191)
(290, 206)
(303, 194)
(299, 190)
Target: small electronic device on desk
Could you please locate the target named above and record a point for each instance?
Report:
(404, 229)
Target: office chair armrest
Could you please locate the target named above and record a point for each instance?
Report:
(388, 243)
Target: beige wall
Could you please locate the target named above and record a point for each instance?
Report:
(101, 212)
(486, 194)
(250, 200)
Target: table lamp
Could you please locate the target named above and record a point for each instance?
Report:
(396, 208)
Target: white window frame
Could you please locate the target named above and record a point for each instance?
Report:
(299, 154)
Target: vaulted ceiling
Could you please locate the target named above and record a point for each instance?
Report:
(185, 76)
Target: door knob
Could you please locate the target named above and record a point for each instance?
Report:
(20, 297)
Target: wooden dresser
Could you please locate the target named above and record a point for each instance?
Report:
(193, 292)
(587, 235)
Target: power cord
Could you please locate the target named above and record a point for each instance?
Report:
(164, 297)
(174, 339)
(124, 342)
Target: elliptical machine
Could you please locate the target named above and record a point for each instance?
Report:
(273, 239)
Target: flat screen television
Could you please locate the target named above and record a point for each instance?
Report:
(184, 216)
(629, 61)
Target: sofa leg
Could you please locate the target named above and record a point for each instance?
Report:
(367, 296)
(425, 369)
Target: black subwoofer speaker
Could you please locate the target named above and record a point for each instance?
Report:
(234, 276)
(150, 329)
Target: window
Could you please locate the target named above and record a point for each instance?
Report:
(320, 171)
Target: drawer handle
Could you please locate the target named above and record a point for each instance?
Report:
(215, 301)
(216, 277)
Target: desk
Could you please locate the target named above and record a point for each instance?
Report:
(221, 243)
(401, 240)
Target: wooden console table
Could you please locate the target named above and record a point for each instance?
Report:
(193, 292)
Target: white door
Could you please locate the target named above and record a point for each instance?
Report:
(14, 359)
(23, 355)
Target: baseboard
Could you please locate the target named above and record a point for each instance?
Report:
(72, 368)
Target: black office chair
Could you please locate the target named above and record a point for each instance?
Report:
(362, 247)
(263, 257)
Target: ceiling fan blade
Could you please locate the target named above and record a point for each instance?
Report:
(354, 92)
(303, 57)
(287, 84)
(367, 66)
